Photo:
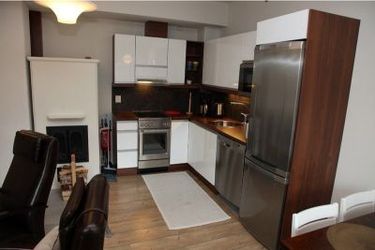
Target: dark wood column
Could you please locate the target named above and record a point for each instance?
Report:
(36, 37)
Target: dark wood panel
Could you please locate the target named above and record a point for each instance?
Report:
(156, 29)
(329, 57)
(36, 33)
(203, 180)
(127, 171)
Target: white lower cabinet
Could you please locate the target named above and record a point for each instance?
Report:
(179, 142)
(127, 144)
(202, 151)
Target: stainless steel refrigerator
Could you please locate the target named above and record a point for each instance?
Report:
(274, 98)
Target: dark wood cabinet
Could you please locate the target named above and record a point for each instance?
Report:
(329, 57)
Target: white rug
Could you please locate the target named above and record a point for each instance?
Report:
(181, 201)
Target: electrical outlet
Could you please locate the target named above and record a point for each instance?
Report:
(118, 99)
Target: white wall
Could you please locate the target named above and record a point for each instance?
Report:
(201, 12)
(356, 166)
(14, 96)
(93, 37)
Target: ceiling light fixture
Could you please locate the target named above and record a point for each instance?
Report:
(67, 11)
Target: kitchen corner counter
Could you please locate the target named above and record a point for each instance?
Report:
(237, 133)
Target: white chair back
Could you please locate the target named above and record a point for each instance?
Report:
(357, 204)
(314, 218)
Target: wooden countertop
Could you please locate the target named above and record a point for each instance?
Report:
(236, 133)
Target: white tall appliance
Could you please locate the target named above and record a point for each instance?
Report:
(65, 93)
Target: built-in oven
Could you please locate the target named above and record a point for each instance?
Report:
(246, 76)
(154, 142)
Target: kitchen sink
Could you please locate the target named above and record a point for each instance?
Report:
(226, 124)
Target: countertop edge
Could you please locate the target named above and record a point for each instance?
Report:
(130, 116)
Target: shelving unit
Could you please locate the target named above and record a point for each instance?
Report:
(194, 55)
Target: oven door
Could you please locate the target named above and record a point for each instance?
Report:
(154, 144)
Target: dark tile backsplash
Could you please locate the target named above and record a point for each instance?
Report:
(150, 98)
(160, 98)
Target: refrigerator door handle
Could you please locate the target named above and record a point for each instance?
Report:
(269, 174)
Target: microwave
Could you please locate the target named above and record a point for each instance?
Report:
(246, 76)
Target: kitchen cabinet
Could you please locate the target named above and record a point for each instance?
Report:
(151, 51)
(124, 58)
(202, 151)
(176, 61)
(151, 58)
(179, 142)
(283, 28)
(223, 57)
(127, 144)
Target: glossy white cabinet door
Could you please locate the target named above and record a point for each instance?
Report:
(223, 56)
(283, 28)
(151, 51)
(202, 151)
(124, 58)
(127, 159)
(176, 61)
(179, 142)
(127, 144)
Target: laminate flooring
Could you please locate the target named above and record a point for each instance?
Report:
(135, 223)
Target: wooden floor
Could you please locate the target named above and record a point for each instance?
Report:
(136, 223)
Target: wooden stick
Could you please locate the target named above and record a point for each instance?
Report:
(73, 167)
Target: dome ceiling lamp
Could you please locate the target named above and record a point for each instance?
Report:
(67, 11)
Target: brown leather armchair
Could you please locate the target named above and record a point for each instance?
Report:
(83, 222)
(25, 191)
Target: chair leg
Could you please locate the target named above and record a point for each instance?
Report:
(35, 219)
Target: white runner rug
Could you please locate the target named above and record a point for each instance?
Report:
(181, 201)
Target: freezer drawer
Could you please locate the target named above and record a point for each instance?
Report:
(262, 204)
(229, 169)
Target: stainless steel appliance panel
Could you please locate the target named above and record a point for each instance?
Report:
(262, 203)
(154, 144)
(229, 169)
(277, 76)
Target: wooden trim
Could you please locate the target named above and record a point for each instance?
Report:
(172, 168)
(36, 33)
(178, 167)
(325, 87)
(202, 179)
(127, 171)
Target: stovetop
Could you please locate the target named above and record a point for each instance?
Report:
(150, 114)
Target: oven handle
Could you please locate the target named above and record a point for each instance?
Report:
(148, 131)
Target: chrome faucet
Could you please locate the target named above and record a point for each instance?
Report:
(245, 116)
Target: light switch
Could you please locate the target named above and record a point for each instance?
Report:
(118, 99)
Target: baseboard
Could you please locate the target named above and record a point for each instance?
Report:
(172, 168)
(202, 179)
(127, 171)
(178, 167)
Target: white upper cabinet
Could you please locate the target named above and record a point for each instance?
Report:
(176, 61)
(151, 51)
(124, 58)
(223, 56)
(283, 28)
